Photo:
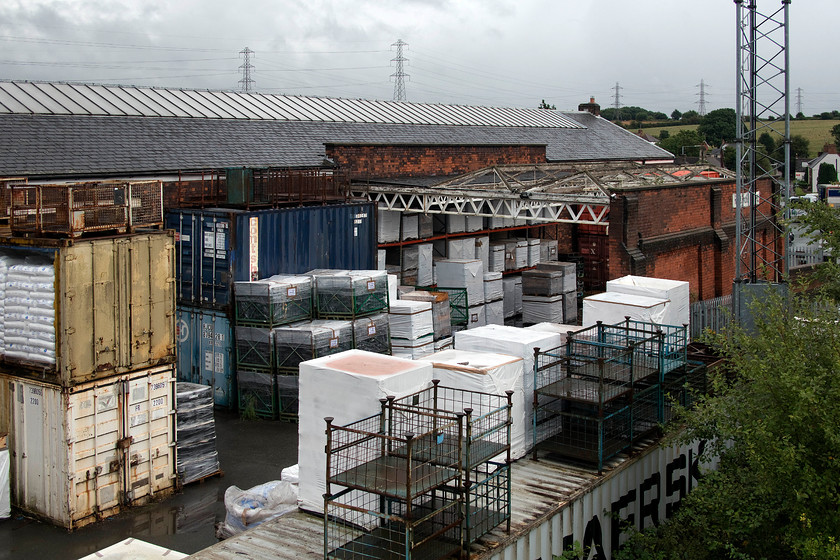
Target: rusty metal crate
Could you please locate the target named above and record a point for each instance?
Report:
(74, 209)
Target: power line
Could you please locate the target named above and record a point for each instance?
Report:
(246, 83)
(399, 76)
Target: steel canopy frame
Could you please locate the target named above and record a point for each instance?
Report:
(560, 193)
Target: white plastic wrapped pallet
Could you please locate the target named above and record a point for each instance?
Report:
(486, 372)
(413, 349)
(494, 312)
(380, 259)
(558, 328)
(540, 309)
(388, 225)
(462, 273)
(675, 291)
(512, 341)
(134, 549)
(497, 257)
(533, 252)
(473, 223)
(410, 319)
(493, 287)
(393, 283)
(410, 227)
(548, 250)
(613, 307)
(482, 251)
(476, 316)
(455, 223)
(509, 287)
(419, 258)
(347, 387)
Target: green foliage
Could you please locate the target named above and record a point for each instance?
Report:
(773, 422)
(683, 143)
(718, 126)
(827, 174)
(800, 146)
(676, 115)
(664, 134)
(249, 410)
(690, 117)
(544, 105)
(835, 133)
(821, 221)
(729, 158)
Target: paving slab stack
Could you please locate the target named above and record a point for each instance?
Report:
(549, 293)
(441, 314)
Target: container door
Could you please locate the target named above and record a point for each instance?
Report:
(94, 420)
(215, 264)
(148, 444)
(34, 455)
(216, 348)
(187, 233)
(188, 345)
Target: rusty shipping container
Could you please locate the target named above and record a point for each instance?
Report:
(110, 309)
(82, 453)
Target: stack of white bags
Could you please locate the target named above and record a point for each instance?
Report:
(29, 313)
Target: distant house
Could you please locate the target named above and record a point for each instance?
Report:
(644, 135)
(828, 155)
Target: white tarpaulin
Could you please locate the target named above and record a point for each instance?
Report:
(512, 341)
(675, 291)
(410, 319)
(486, 372)
(462, 273)
(614, 307)
(346, 386)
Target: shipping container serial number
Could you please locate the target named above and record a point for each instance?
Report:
(159, 386)
(35, 394)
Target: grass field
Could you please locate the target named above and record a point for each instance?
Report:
(817, 132)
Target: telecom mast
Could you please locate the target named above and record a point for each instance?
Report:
(762, 179)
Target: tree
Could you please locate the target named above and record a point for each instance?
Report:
(827, 174)
(718, 126)
(683, 143)
(690, 117)
(800, 116)
(664, 134)
(773, 423)
(800, 146)
(835, 132)
(544, 105)
(676, 115)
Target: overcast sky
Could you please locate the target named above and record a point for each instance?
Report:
(476, 52)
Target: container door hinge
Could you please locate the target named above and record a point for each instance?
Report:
(125, 443)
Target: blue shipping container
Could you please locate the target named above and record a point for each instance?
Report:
(205, 349)
(216, 247)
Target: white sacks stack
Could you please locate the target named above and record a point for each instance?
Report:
(412, 328)
(486, 372)
(517, 342)
(346, 387)
(29, 325)
(4, 269)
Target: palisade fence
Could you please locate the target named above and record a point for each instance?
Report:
(713, 314)
(805, 255)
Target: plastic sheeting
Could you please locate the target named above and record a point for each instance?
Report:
(249, 508)
(5, 496)
(473, 223)
(675, 291)
(196, 440)
(494, 312)
(541, 309)
(441, 310)
(456, 223)
(558, 328)
(482, 251)
(548, 250)
(410, 319)
(413, 349)
(388, 226)
(486, 372)
(410, 227)
(419, 259)
(347, 387)
(493, 287)
(476, 316)
(496, 261)
(614, 307)
(462, 273)
(512, 341)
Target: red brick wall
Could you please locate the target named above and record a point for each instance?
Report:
(684, 232)
(361, 161)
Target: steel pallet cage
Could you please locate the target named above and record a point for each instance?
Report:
(459, 305)
(269, 304)
(257, 394)
(255, 348)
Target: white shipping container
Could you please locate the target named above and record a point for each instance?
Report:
(79, 454)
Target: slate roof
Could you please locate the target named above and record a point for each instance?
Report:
(55, 146)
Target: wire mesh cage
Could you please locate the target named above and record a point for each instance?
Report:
(257, 394)
(287, 397)
(459, 309)
(366, 526)
(75, 208)
(254, 348)
(298, 343)
(372, 334)
(683, 387)
(347, 294)
(274, 301)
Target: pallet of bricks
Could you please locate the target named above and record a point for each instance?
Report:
(87, 352)
(285, 320)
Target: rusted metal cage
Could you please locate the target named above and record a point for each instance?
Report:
(391, 470)
(74, 209)
(5, 193)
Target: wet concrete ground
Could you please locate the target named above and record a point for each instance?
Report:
(250, 453)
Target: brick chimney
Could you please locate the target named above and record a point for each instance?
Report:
(590, 107)
(829, 149)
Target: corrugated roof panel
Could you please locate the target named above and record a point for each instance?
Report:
(82, 97)
(266, 104)
(381, 113)
(247, 105)
(282, 103)
(310, 109)
(102, 97)
(69, 99)
(179, 106)
(169, 102)
(417, 113)
(324, 108)
(361, 110)
(206, 105)
(10, 102)
(124, 102)
(36, 93)
(151, 104)
(218, 105)
(196, 109)
(344, 110)
(440, 115)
